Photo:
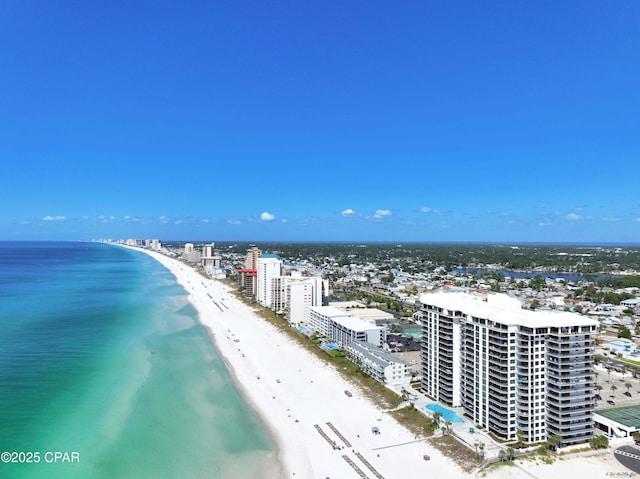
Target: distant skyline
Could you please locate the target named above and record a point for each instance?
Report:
(299, 121)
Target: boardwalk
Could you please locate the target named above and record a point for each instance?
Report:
(342, 438)
(327, 438)
(371, 468)
(355, 467)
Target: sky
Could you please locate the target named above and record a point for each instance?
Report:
(416, 121)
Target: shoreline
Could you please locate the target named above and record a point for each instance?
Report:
(301, 402)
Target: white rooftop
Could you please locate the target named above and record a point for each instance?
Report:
(503, 309)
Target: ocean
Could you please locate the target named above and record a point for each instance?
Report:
(105, 372)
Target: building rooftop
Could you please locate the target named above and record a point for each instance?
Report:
(345, 319)
(503, 309)
(269, 255)
(627, 416)
(376, 355)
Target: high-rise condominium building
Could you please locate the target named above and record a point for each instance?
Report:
(268, 267)
(510, 369)
(302, 293)
(251, 261)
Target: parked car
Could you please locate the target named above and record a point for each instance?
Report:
(627, 393)
(611, 402)
(597, 397)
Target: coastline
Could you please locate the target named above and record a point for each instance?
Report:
(300, 399)
(297, 396)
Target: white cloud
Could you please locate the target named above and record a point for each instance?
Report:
(84, 217)
(179, 222)
(427, 210)
(379, 215)
(163, 219)
(611, 218)
(233, 222)
(54, 218)
(205, 220)
(284, 220)
(573, 217)
(27, 222)
(106, 219)
(267, 216)
(349, 213)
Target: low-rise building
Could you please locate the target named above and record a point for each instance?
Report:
(343, 327)
(379, 364)
(622, 346)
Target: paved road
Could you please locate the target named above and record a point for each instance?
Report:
(629, 457)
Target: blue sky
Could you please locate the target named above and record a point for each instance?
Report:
(488, 121)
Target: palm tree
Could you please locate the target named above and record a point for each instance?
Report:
(555, 441)
(520, 436)
(435, 417)
(628, 386)
(448, 424)
(598, 387)
(596, 373)
(613, 389)
(481, 447)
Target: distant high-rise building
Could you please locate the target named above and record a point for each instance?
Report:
(510, 369)
(251, 261)
(247, 281)
(208, 259)
(188, 248)
(207, 250)
(156, 245)
(302, 293)
(268, 267)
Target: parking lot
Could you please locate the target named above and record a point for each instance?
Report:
(617, 389)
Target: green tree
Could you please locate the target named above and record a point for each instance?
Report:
(613, 389)
(436, 418)
(599, 442)
(624, 332)
(554, 441)
(628, 386)
(481, 446)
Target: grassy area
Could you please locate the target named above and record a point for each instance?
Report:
(467, 459)
(496, 465)
(416, 422)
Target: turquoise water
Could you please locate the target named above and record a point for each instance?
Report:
(102, 355)
(447, 414)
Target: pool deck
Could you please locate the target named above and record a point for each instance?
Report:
(462, 430)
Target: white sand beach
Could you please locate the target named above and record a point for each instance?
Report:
(298, 396)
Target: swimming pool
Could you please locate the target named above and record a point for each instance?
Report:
(332, 346)
(447, 414)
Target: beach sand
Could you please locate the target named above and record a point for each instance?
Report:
(297, 395)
